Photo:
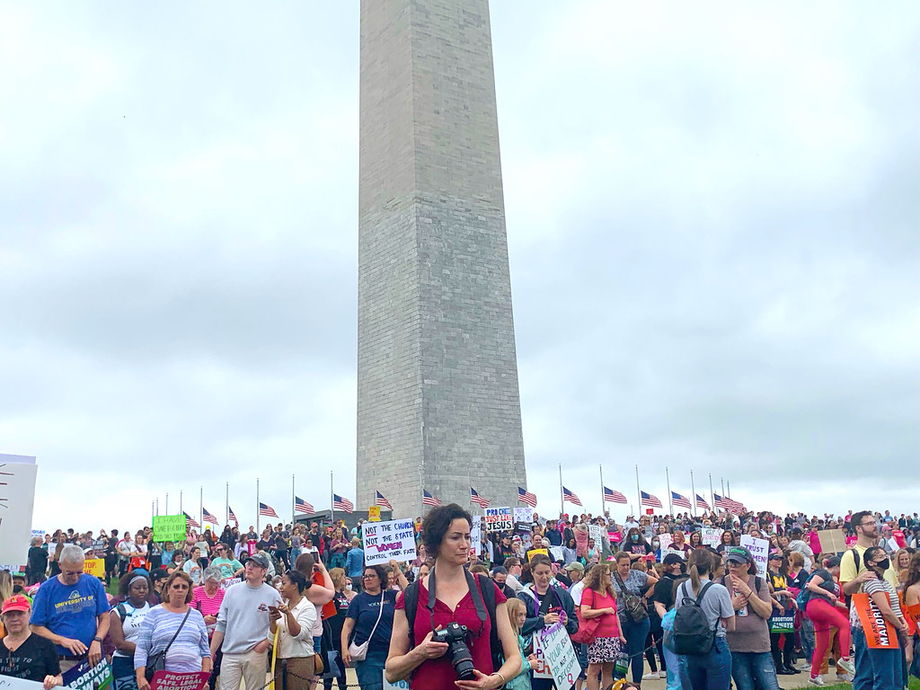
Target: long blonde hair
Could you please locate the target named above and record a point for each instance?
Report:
(515, 606)
(6, 585)
(702, 562)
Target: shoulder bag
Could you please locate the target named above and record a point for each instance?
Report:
(358, 652)
(587, 627)
(157, 660)
(632, 604)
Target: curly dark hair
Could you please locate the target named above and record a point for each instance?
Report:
(437, 522)
(381, 573)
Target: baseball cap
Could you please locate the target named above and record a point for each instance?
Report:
(672, 558)
(575, 565)
(739, 554)
(260, 559)
(833, 562)
(17, 602)
(775, 557)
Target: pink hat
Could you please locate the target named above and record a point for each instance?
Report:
(17, 602)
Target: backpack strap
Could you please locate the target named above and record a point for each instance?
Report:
(699, 597)
(410, 601)
(122, 612)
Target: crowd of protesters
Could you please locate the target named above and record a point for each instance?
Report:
(219, 603)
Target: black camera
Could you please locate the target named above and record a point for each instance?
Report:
(455, 636)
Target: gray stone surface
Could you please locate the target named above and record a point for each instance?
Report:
(438, 400)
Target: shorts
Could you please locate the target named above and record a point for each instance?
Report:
(603, 650)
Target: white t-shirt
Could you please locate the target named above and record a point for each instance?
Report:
(131, 624)
(577, 590)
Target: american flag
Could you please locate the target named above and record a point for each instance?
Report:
(207, 517)
(429, 500)
(700, 503)
(527, 498)
(678, 500)
(232, 516)
(734, 506)
(267, 510)
(190, 521)
(611, 496)
(720, 502)
(477, 499)
(343, 504)
(650, 500)
(301, 506)
(570, 497)
(382, 502)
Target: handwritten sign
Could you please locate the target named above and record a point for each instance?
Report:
(169, 528)
(556, 657)
(760, 550)
(664, 541)
(712, 537)
(523, 515)
(17, 494)
(94, 567)
(597, 533)
(167, 680)
(832, 540)
(228, 582)
(393, 539)
(82, 677)
(373, 513)
(499, 519)
(475, 536)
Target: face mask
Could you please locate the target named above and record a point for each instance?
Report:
(348, 586)
(635, 537)
(655, 543)
(884, 565)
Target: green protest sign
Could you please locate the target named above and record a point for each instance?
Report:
(168, 527)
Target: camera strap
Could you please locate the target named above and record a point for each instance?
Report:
(473, 584)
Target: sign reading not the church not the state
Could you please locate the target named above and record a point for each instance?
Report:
(385, 541)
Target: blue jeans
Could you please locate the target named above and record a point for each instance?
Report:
(754, 669)
(370, 671)
(807, 637)
(876, 669)
(635, 634)
(707, 672)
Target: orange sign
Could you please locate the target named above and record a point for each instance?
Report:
(880, 634)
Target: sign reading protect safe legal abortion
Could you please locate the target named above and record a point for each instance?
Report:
(384, 541)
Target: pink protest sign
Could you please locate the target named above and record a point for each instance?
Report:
(167, 680)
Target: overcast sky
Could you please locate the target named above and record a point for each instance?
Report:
(713, 216)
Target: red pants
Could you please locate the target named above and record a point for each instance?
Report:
(826, 616)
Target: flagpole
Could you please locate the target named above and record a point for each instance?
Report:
(167, 504)
(201, 504)
(729, 485)
(227, 505)
(293, 501)
(331, 501)
(667, 478)
(158, 505)
(693, 489)
(561, 493)
(152, 514)
(600, 469)
(712, 495)
(180, 501)
(638, 492)
(258, 514)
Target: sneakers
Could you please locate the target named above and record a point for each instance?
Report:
(817, 680)
(844, 677)
(663, 674)
(651, 675)
(847, 665)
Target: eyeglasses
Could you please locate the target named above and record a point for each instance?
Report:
(368, 577)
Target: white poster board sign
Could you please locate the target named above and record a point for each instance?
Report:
(664, 541)
(17, 496)
(760, 550)
(712, 537)
(523, 514)
(499, 520)
(556, 657)
(393, 539)
(476, 536)
(556, 554)
(597, 533)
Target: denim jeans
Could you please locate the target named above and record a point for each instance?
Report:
(875, 668)
(807, 638)
(635, 634)
(709, 672)
(754, 669)
(370, 671)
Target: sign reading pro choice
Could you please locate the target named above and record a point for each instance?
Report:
(384, 541)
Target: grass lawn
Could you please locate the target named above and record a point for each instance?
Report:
(912, 684)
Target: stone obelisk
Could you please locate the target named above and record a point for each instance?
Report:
(438, 401)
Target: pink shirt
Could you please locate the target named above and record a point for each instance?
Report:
(609, 625)
(205, 605)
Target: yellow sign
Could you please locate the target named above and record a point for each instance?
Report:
(534, 552)
(373, 513)
(94, 567)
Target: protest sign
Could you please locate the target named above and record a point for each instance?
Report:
(880, 634)
(556, 553)
(384, 541)
(832, 540)
(228, 582)
(395, 685)
(169, 528)
(498, 519)
(597, 533)
(167, 680)
(664, 541)
(534, 552)
(10, 683)
(712, 537)
(614, 537)
(760, 550)
(556, 657)
(523, 515)
(82, 677)
(373, 513)
(782, 624)
(94, 567)
(17, 495)
(523, 528)
(475, 536)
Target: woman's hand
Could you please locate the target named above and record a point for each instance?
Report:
(51, 682)
(283, 608)
(482, 681)
(622, 638)
(832, 597)
(610, 610)
(431, 650)
(550, 619)
(143, 683)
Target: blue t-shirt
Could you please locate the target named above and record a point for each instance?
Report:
(70, 610)
(364, 609)
(354, 562)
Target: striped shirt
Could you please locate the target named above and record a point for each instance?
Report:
(870, 587)
(190, 646)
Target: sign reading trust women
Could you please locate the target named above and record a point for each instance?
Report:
(17, 496)
(384, 541)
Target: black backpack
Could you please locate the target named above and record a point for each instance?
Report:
(692, 635)
(487, 587)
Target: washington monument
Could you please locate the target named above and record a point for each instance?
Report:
(438, 401)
